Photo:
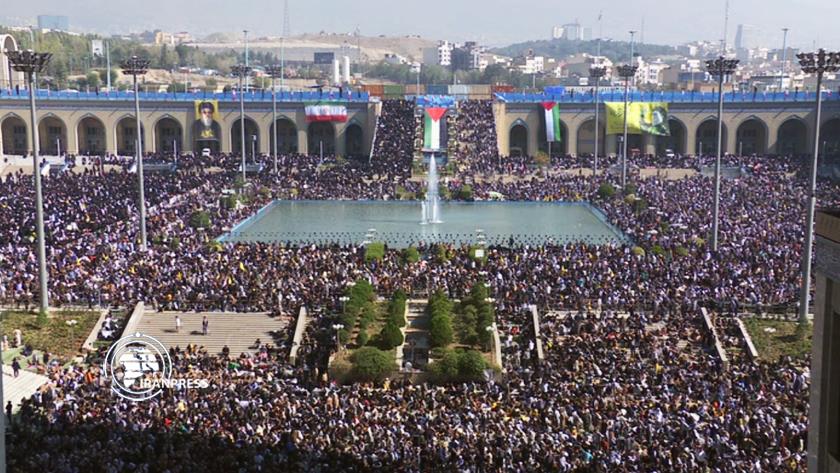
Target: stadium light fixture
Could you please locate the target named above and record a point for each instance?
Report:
(720, 68)
(597, 72)
(626, 72)
(817, 63)
(274, 72)
(136, 66)
(30, 63)
(241, 71)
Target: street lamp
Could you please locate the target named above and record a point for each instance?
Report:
(31, 63)
(274, 72)
(135, 66)
(337, 328)
(817, 63)
(241, 72)
(597, 73)
(720, 67)
(626, 72)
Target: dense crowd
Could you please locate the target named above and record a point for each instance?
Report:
(626, 385)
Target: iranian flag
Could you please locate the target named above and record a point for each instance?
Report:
(552, 121)
(431, 128)
(326, 113)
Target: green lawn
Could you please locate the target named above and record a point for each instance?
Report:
(58, 337)
(784, 341)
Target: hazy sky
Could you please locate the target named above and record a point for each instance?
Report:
(493, 22)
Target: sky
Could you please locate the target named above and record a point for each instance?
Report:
(490, 22)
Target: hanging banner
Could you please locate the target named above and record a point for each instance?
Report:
(642, 117)
(326, 113)
(552, 121)
(207, 117)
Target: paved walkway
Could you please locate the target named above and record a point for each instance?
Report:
(16, 389)
(236, 330)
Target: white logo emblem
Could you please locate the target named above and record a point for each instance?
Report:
(138, 366)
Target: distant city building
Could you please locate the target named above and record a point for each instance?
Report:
(557, 32)
(53, 22)
(463, 56)
(172, 39)
(587, 34)
(745, 36)
(444, 51)
(745, 41)
(572, 31)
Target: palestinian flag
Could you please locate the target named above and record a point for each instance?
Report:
(431, 127)
(326, 113)
(552, 121)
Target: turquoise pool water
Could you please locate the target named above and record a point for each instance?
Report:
(398, 223)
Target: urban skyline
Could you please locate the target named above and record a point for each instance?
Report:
(661, 24)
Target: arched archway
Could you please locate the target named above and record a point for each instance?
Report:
(126, 134)
(518, 140)
(14, 131)
(52, 136)
(586, 138)
(707, 137)
(321, 132)
(751, 137)
(90, 133)
(559, 147)
(675, 142)
(252, 136)
(830, 138)
(8, 76)
(793, 138)
(354, 145)
(168, 135)
(287, 139)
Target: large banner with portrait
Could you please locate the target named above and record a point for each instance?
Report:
(642, 117)
(207, 118)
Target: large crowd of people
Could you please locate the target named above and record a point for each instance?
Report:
(615, 392)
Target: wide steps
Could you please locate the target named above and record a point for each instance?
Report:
(236, 330)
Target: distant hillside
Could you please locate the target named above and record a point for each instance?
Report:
(558, 48)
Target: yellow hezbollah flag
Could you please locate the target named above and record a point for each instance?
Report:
(642, 117)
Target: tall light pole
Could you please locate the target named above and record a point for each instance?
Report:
(136, 66)
(245, 33)
(241, 71)
(597, 73)
(817, 63)
(31, 63)
(274, 72)
(784, 58)
(720, 67)
(626, 72)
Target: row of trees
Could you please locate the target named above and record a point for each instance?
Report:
(433, 74)
(559, 48)
(467, 322)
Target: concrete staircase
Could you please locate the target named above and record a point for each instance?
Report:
(236, 330)
(24, 386)
(416, 347)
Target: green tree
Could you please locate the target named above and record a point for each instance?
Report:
(467, 324)
(390, 336)
(92, 79)
(371, 364)
(440, 330)
(471, 365)
(446, 369)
